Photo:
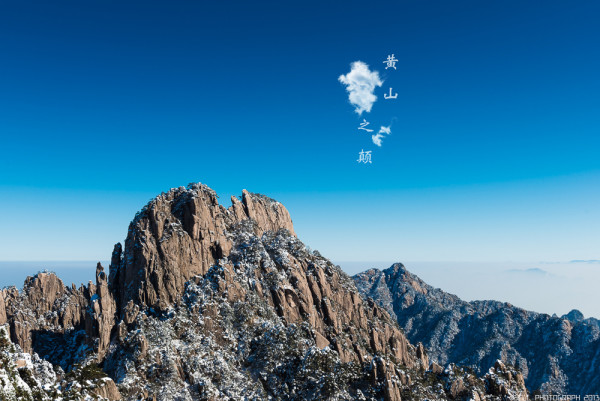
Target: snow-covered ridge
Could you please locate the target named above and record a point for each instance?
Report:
(557, 355)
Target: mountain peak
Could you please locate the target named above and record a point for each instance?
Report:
(574, 316)
(182, 233)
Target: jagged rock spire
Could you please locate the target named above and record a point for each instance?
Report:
(101, 314)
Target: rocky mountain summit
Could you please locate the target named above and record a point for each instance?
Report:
(557, 355)
(209, 303)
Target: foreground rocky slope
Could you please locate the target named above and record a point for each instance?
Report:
(556, 355)
(26, 377)
(207, 303)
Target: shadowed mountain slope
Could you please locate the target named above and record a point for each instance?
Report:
(556, 355)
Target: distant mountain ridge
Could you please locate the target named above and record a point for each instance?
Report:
(557, 355)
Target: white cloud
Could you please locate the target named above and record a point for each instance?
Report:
(360, 83)
(382, 131)
(377, 139)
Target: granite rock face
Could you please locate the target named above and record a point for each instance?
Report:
(2, 308)
(208, 303)
(101, 314)
(44, 311)
(181, 234)
(557, 355)
(58, 322)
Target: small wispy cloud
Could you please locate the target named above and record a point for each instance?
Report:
(361, 83)
(533, 270)
(379, 136)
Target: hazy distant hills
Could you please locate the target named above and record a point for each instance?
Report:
(558, 355)
(15, 272)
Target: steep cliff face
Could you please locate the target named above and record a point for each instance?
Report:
(62, 324)
(2, 308)
(101, 314)
(556, 355)
(209, 303)
(46, 314)
(27, 377)
(181, 234)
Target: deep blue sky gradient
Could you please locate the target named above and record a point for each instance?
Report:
(494, 152)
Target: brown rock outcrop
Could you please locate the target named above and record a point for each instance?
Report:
(44, 305)
(181, 234)
(320, 340)
(435, 368)
(457, 387)
(501, 380)
(384, 373)
(269, 214)
(43, 290)
(107, 389)
(46, 310)
(2, 308)
(100, 316)
(422, 356)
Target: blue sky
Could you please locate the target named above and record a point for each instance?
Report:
(493, 154)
